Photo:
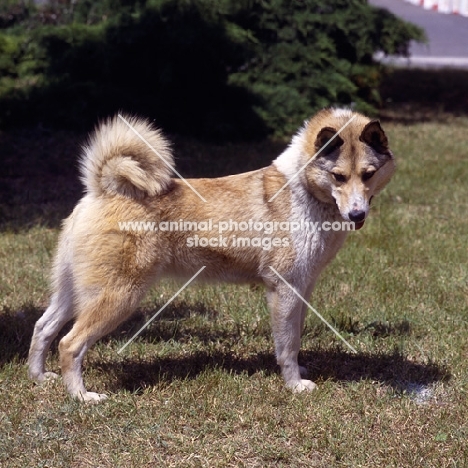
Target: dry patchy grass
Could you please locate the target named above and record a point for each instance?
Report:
(200, 387)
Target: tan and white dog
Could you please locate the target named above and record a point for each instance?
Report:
(102, 268)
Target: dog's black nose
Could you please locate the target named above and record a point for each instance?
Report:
(357, 216)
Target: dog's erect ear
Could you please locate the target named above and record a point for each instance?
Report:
(374, 136)
(324, 136)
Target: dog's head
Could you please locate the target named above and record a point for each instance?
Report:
(351, 161)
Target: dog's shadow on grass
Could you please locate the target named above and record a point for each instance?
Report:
(16, 328)
(335, 364)
(390, 369)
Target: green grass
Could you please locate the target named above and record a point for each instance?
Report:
(200, 387)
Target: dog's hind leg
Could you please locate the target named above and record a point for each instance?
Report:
(59, 312)
(96, 317)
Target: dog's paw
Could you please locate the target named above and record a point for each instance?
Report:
(91, 397)
(298, 386)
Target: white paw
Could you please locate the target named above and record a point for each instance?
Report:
(303, 371)
(298, 386)
(91, 397)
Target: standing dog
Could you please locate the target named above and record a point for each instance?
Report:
(103, 267)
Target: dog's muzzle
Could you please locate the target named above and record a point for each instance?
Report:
(358, 217)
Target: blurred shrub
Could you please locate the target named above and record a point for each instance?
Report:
(223, 68)
(311, 54)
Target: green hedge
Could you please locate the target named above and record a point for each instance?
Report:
(222, 68)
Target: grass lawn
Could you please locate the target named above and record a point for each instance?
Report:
(200, 387)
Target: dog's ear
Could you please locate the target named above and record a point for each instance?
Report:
(374, 136)
(324, 136)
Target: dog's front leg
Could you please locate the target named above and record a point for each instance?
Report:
(287, 321)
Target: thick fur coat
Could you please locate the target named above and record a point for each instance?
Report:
(105, 264)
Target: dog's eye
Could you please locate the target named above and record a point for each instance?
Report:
(367, 175)
(339, 177)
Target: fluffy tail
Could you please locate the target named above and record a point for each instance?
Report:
(127, 156)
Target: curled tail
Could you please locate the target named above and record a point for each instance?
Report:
(127, 156)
